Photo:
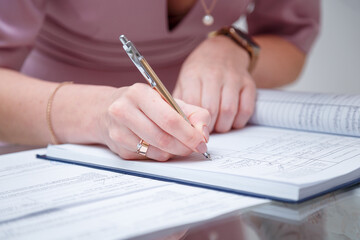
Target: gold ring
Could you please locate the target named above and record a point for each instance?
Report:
(142, 148)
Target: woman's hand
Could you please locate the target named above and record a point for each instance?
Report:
(215, 77)
(138, 112)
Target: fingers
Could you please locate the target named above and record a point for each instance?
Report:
(205, 92)
(142, 113)
(246, 105)
(125, 144)
(192, 93)
(211, 93)
(171, 122)
(198, 117)
(228, 106)
(178, 91)
(233, 105)
(142, 126)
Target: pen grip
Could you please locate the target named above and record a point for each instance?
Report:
(161, 89)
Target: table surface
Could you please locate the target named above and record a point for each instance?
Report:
(332, 216)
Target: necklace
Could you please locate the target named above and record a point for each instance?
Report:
(208, 19)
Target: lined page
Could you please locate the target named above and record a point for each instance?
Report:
(319, 112)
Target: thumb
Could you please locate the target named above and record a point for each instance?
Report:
(199, 117)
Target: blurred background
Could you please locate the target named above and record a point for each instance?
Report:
(334, 62)
(333, 65)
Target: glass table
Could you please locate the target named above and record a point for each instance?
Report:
(332, 216)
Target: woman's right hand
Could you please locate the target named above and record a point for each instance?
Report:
(138, 112)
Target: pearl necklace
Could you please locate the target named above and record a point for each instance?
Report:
(208, 19)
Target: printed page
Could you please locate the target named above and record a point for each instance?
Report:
(130, 215)
(29, 185)
(289, 156)
(256, 152)
(319, 112)
(69, 201)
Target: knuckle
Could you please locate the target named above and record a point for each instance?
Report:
(137, 87)
(218, 129)
(247, 111)
(228, 110)
(120, 110)
(164, 156)
(130, 91)
(170, 121)
(222, 127)
(192, 139)
(207, 117)
(250, 84)
(127, 155)
(113, 109)
(134, 90)
(115, 136)
(163, 141)
(204, 116)
(191, 98)
(116, 109)
(238, 125)
(186, 152)
(212, 109)
(205, 112)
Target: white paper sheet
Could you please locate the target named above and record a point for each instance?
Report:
(279, 154)
(128, 216)
(29, 185)
(41, 199)
(259, 160)
(319, 112)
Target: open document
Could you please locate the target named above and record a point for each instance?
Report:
(42, 199)
(316, 151)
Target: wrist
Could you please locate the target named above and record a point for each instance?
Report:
(232, 50)
(99, 122)
(78, 111)
(243, 40)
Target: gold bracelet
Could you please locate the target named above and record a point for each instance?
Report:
(54, 139)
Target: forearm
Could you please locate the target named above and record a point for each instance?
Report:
(23, 110)
(280, 62)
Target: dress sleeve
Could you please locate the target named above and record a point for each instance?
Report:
(295, 20)
(20, 22)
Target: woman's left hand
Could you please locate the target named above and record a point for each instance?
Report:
(215, 77)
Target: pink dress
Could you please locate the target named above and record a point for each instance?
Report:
(77, 40)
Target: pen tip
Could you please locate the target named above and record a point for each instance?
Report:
(207, 155)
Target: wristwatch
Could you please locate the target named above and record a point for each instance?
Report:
(243, 40)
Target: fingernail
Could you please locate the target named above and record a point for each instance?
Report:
(201, 148)
(206, 133)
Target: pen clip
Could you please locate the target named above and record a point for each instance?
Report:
(136, 58)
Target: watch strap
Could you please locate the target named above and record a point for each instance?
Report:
(243, 40)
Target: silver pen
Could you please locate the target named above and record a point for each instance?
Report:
(151, 77)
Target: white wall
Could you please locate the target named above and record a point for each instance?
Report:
(333, 65)
(334, 62)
